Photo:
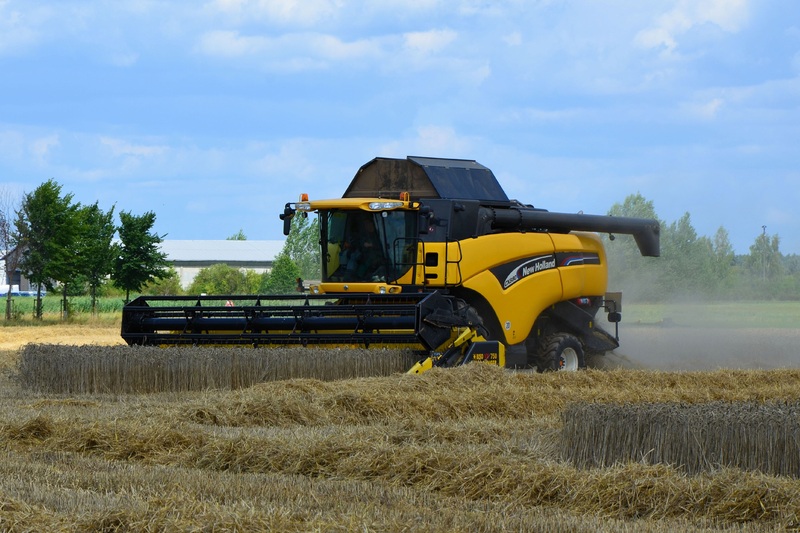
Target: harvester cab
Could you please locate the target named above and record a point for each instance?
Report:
(429, 253)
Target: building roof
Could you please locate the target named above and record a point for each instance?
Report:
(227, 251)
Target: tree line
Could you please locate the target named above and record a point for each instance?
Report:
(695, 266)
(63, 246)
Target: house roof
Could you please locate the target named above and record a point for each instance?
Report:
(221, 251)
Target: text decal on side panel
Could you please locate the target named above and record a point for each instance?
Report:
(510, 273)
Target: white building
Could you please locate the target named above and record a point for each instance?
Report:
(4, 285)
(13, 281)
(188, 257)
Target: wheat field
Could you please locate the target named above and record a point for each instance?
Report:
(469, 449)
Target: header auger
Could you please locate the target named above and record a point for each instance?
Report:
(431, 254)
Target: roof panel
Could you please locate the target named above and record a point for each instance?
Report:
(227, 250)
(426, 177)
(462, 178)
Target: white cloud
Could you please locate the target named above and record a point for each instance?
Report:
(780, 216)
(770, 100)
(141, 6)
(40, 147)
(200, 207)
(434, 52)
(119, 148)
(300, 12)
(19, 30)
(709, 109)
(124, 60)
(291, 161)
(548, 115)
(428, 42)
(729, 15)
(225, 43)
(513, 39)
(439, 141)
(334, 48)
(229, 5)
(705, 110)
(657, 37)
(296, 51)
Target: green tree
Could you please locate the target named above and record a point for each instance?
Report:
(283, 277)
(686, 260)
(302, 246)
(628, 271)
(634, 205)
(47, 229)
(95, 247)
(791, 264)
(765, 261)
(722, 259)
(169, 285)
(219, 279)
(238, 236)
(252, 281)
(138, 259)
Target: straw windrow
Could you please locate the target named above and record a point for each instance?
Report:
(763, 437)
(145, 369)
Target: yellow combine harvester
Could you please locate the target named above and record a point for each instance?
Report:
(428, 253)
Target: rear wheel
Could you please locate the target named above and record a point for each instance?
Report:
(561, 352)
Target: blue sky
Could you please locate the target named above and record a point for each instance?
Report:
(214, 114)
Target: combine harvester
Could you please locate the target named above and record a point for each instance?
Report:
(430, 254)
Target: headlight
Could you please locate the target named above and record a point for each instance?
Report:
(303, 206)
(379, 206)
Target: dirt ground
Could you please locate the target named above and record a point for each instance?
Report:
(665, 347)
(14, 337)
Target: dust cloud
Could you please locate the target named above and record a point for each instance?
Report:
(691, 345)
(672, 347)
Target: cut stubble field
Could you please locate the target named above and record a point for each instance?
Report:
(471, 449)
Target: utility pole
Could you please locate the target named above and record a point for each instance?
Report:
(764, 252)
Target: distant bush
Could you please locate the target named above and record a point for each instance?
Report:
(23, 307)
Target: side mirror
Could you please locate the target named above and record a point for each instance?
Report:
(425, 216)
(613, 305)
(287, 216)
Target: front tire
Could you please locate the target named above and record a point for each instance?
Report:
(561, 353)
